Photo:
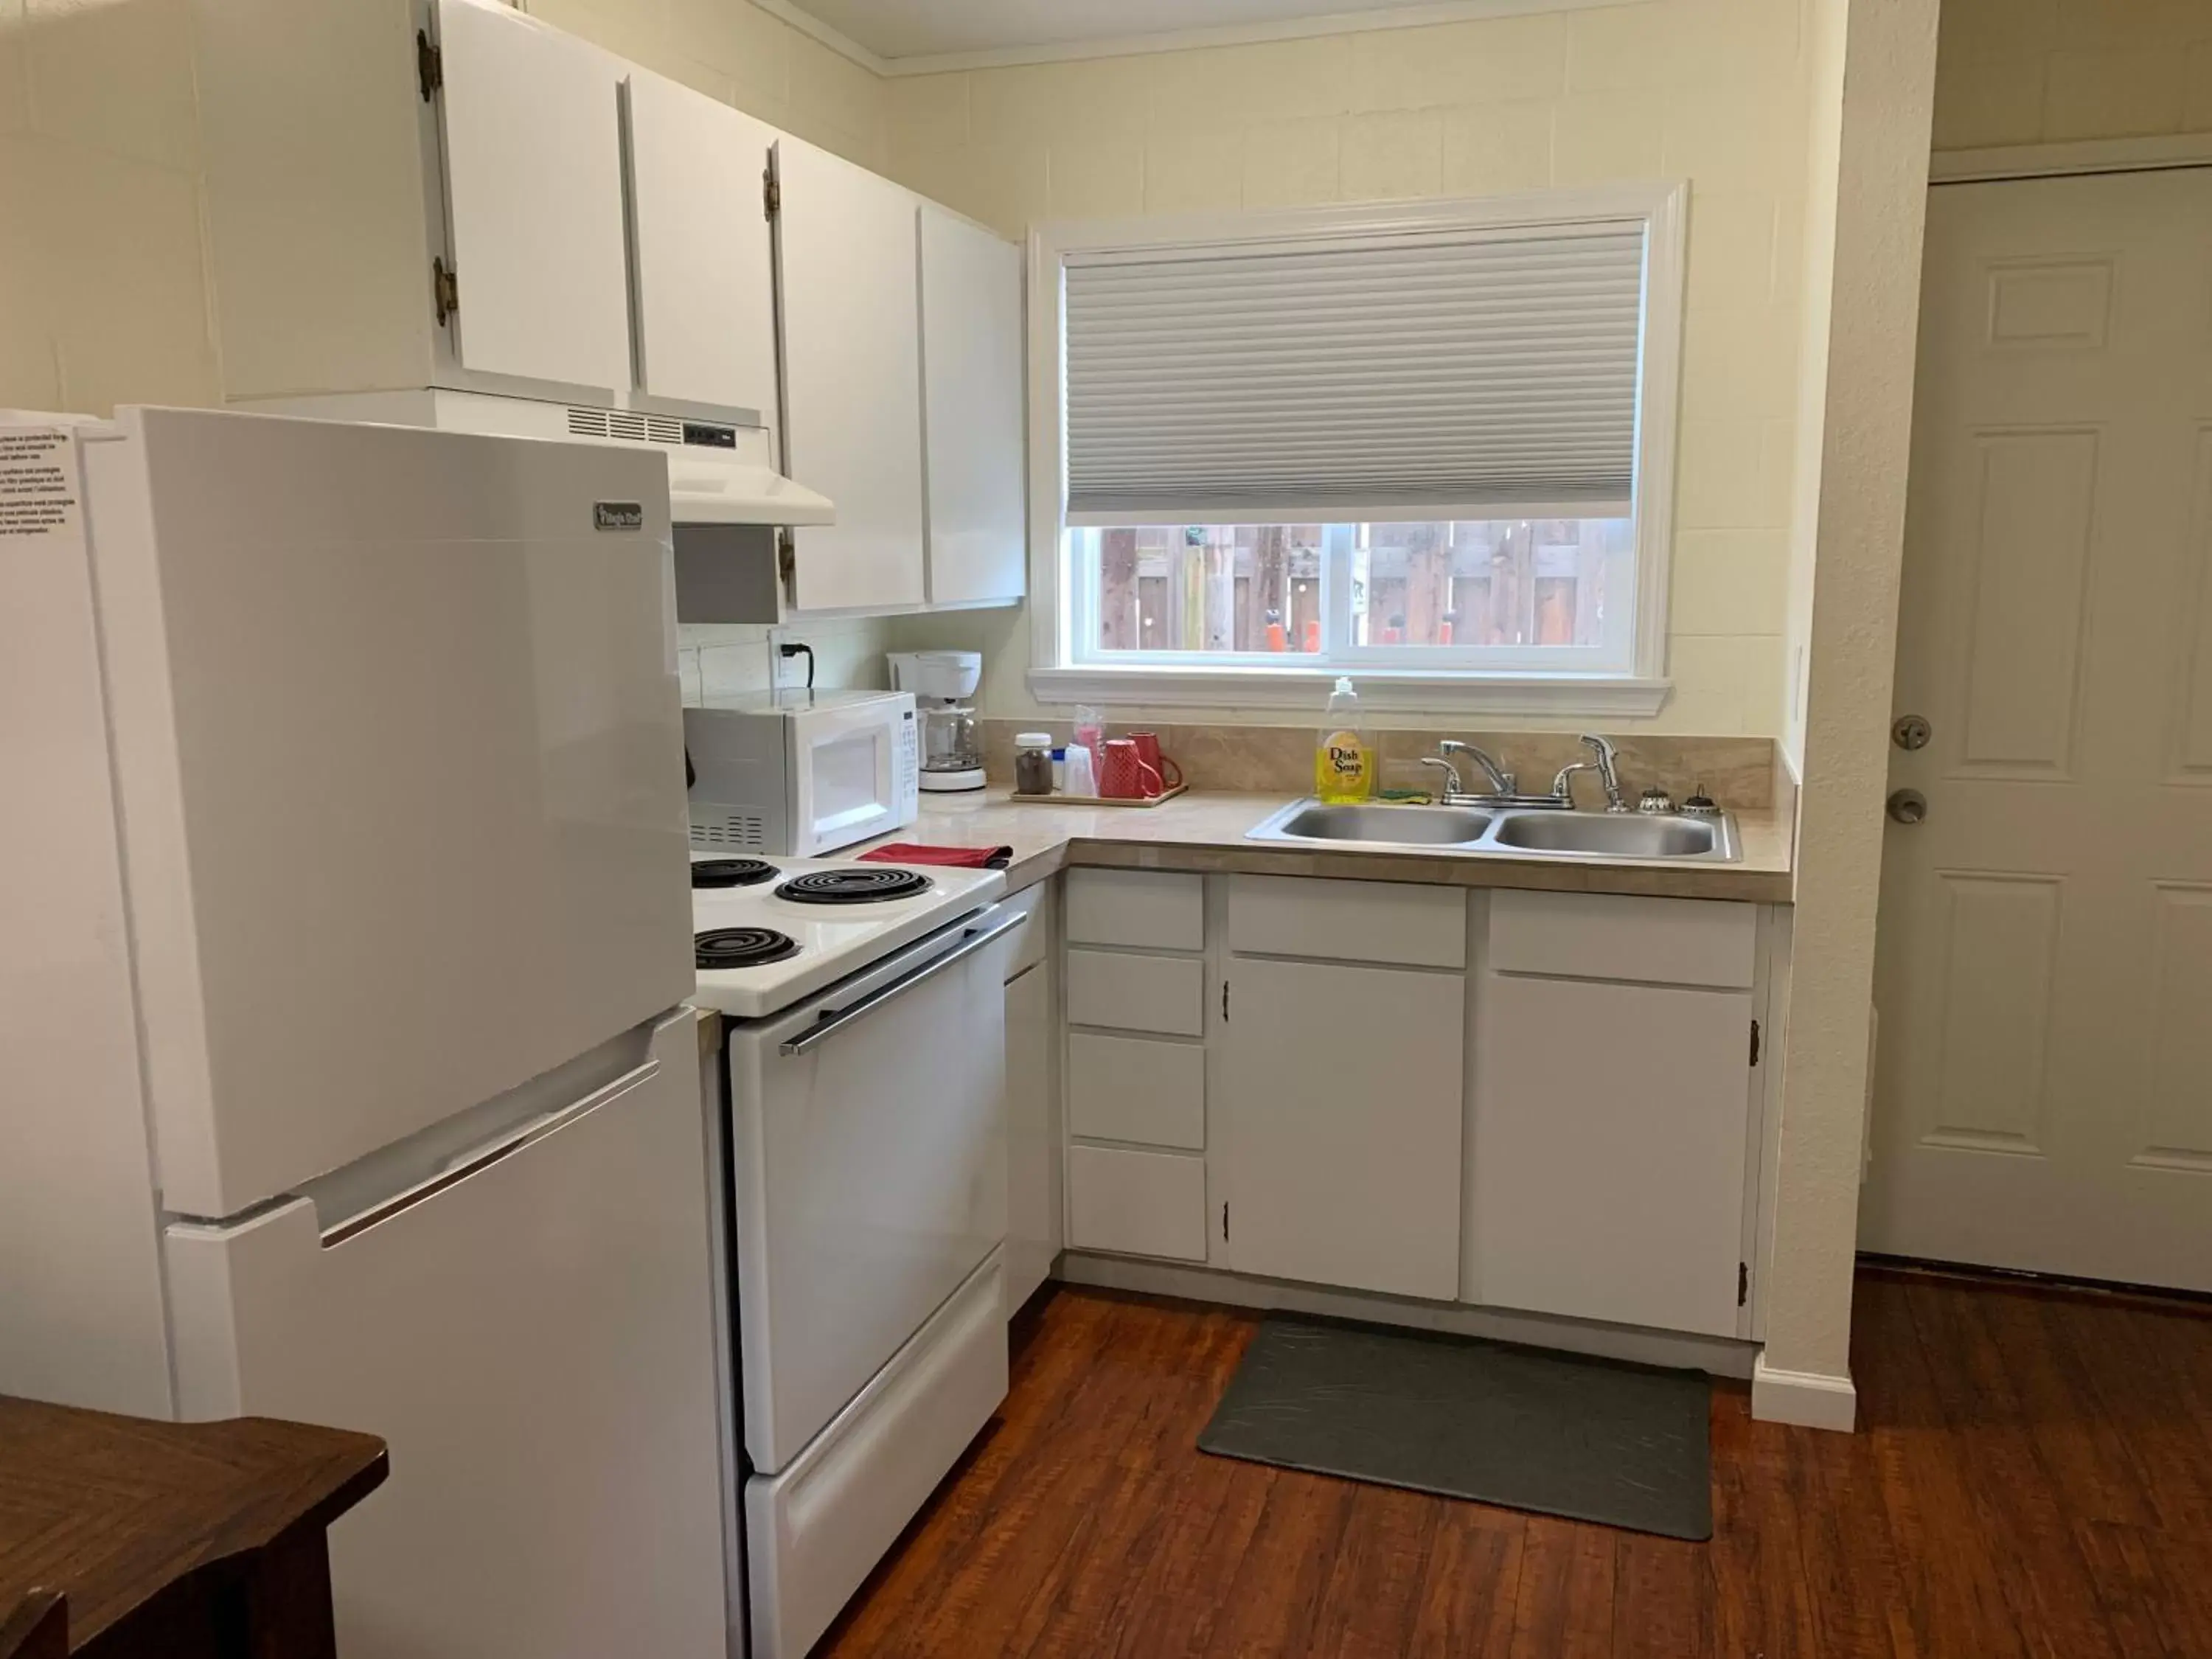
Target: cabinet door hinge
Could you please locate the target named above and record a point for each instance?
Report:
(1742, 1283)
(1224, 1218)
(445, 290)
(1225, 1002)
(786, 564)
(429, 65)
(771, 195)
(1754, 1042)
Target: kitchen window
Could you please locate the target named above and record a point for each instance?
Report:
(1430, 446)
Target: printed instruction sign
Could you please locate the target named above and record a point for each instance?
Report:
(38, 484)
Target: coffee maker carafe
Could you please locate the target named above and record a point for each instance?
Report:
(944, 684)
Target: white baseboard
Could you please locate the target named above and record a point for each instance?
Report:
(1811, 1399)
(1679, 1351)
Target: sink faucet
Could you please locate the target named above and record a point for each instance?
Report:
(1603, 764)
(1501, 781)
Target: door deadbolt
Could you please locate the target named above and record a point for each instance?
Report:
(1906, 805)
(1909, 731)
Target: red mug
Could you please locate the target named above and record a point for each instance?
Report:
(1148, 751)
(1123, 774)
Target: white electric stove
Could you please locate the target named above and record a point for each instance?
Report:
(769, 932)
(864, 1065)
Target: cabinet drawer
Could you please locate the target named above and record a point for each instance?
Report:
(1603, 936)
(1348, 920)
(1029, 943)
(1136, 1203)
(1155, 910)
(1137, 994)
(1128, 1089)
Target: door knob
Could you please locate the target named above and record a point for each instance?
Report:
(1906, 805)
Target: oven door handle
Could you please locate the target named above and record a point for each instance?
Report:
(837, 1019)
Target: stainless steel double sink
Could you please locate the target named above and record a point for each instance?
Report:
(1519, 832)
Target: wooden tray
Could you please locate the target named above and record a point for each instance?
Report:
(1165, 795)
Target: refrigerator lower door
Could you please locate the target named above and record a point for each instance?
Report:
(533, 1336)
(814, 1532)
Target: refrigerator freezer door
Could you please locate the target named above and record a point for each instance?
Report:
(79, 1244)
(398, 748)
(535, 1342)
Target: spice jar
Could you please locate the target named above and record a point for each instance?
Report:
(1033, 763)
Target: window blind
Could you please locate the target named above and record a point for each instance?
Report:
(1481, 370)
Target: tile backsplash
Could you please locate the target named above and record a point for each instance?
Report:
(1737, 772)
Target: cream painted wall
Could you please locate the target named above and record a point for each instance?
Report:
(2047, 71)
(104, 291)
(102, 297)
(1856, 513)
(1826, 23)
(1711, 90)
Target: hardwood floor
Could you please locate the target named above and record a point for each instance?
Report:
(2032, 1476)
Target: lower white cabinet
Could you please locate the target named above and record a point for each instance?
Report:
(1033, 1186)
(1344, 1084)
(1136, 1203)
(1610, 1128)
(1136, 1089)
(1343, 1093)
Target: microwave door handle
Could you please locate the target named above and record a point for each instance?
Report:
(836, 1021)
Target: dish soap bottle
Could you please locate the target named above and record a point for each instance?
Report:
(1343, 761)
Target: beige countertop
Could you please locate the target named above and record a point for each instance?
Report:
(1203, 831)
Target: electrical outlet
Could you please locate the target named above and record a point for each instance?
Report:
(784, 671)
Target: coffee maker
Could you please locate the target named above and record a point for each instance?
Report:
(944, 684)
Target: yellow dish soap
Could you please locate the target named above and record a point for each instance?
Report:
(1343, 761)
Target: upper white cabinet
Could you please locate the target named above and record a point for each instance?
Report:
(534, 198)
(512, 210)
(852, 336)
(1344, 1090)
(971, 319)
(705, 265)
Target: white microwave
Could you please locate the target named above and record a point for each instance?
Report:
(800, 773)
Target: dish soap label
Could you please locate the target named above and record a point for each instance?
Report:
(1343, 761)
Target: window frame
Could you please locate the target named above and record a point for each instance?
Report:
(1389, 679)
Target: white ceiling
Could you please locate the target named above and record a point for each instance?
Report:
(895, 29)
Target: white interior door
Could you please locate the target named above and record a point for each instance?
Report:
(532, 1333)
(2043, 1092)
(971, 320)
(1345, 1089)
(705, 270)
(852, 339)
(534, 195)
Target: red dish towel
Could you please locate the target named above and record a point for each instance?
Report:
(962, 857)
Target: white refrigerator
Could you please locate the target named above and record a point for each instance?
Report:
(344, 1072)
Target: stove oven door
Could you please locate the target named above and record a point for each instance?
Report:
(868, 1150)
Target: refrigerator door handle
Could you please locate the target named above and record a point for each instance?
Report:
(482, 1157)
(837, 1019)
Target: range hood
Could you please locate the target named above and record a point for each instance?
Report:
(719, 472)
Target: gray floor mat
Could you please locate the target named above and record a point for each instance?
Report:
(1591, 1439)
